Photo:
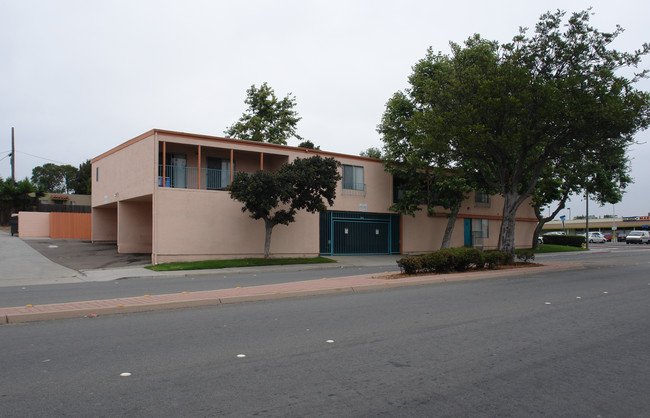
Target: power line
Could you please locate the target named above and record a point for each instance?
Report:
(42, 158)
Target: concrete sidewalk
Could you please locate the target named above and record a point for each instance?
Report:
(22, 265)
(323, 286)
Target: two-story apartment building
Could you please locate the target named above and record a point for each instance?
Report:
(163, 193)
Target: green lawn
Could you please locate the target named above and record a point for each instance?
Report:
(242, 262)
(548, 248)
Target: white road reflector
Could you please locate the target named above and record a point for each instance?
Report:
(241, 355)
(125, 374)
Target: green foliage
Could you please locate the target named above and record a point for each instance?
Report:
(239, 262)
(371, 152)
(82, 181)
(464, 257)
(53, 178)
(267, 119)
(492, 259)
(506, 115)
(276, 197)
(16, 196)
(308, 144)
(570, 240)
(453, 259)
(410, 264)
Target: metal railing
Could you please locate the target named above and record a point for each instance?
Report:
(178, 177)
(353, 189)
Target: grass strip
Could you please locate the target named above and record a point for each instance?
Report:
(240, 262)
(550, 248)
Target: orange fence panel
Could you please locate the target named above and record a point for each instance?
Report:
(70, 225)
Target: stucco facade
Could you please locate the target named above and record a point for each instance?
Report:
(163, 193)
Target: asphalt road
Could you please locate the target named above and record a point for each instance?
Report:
(563, 344)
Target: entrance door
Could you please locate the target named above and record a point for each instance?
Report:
(468, 232)
(218, 174)
(178, 175)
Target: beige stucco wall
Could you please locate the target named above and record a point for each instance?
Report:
(124, 174)
(424, 233)
(201, 224)
(104, 221)
(134, 227)
(33, 224)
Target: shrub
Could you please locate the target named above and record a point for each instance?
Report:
(430, 262)
(492, 259)
(462, 258)
(410, 265)
(454, 259)
(507, 258)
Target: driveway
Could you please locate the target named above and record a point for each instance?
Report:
(84, 255)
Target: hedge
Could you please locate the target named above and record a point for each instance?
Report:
(453, 259)
(570, 240)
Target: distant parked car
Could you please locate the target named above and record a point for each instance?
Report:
(555, 233)
(620, 237)
(595, 237)
(540, 240)
(608, 237)
(638, 237)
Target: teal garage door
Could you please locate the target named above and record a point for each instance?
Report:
(347, 233)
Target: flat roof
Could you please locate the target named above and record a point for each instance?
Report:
(222, 140)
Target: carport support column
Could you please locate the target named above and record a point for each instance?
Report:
(119, 225)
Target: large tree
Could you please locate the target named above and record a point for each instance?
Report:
(421, 165)
(54, 178)
(82, 181)
(276, 197)
(508, 113)
(267, 119)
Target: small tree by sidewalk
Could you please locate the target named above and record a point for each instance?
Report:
(277, 197)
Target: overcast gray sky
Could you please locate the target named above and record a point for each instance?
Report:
(80, 77)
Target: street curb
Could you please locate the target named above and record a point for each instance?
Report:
(350, 284)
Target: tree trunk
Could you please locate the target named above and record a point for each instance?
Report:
(541, 220)
(538, 230)
(451, 221)
(507, 233)
(268, 226)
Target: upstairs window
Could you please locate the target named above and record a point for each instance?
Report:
(481, 199)
(353, 177)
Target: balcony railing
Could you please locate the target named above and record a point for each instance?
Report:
(188, 178)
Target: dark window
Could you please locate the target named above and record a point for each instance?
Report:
(353, 177)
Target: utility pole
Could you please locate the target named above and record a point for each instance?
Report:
(587, 220)
(13, 157)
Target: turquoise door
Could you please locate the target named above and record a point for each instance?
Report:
(468, 232)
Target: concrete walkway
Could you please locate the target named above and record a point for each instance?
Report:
(20, 265)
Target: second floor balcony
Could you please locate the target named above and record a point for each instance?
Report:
(180, 177)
